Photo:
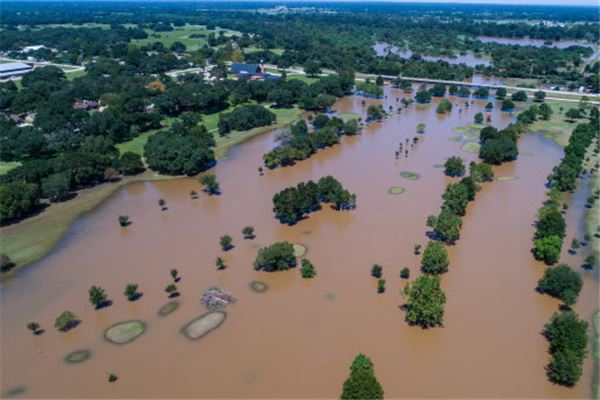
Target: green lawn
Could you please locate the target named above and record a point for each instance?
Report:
(302, 77)
(182, 34)
(6, 166)
(556, 128)
(74, 74)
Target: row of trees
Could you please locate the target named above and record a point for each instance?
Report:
(298, 143)
(292, 203)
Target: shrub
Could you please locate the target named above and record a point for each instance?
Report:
(174, 274)
(248, 232)
(482, 172)
(131, 292)
(561, 282)
(18, 200)
(454, 166)
(426, 299)
(376, 271)
(210, 183)
(380, 285)
(276, 257)
(171, 289)
(97, 296)
(226, 242)
(123, 220)
(435, 258)
(478, 119)
(404, 273)
(307, 270)
(34, 327)
(65, 321)
(519, 96)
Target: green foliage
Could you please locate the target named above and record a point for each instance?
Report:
(380, 285)
(520, 95)
(18, 200)
(447, 226)
(435, 258)
(131, 163)
(507, 105)
(561, 282)
(568, 339)
(65, 321)
(248, 232)
(130, 291)
(276, 257)
(539, 96)
(291, 204)
(210, 183)
(226, 242)
(454, 166)
(174, 274)
(112, 377)
(423, 96)
(481, 172)
(478, 118)
(564, 176)
(547, 249)
(550, 222)
(307, 270)
(180, 151)
(420, 127)
(404, 273)
(171, 289)
(500, 93)
(444, 106)
(220, 263)
(426, 299)
(244, 118)
(34, 327)
(438, 90)
(369, 89)
(456, 197)
(97, 296)
(362, 384)
(376, 271)
(498, 150)
(375, 112)
(56, 187)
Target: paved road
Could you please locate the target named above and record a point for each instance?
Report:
(460, 83)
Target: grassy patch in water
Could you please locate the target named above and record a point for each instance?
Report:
(471, 147)
(124, 332)
(396, 190)
(470, 136)
(258, 286)
(507, 178)
(461, 129)
(78, 356)
(204, 324)
(348, 116)
(455, 138)
(413, 176)
(168, 308)
(300, 250)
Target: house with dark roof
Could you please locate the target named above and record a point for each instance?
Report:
(246, 69)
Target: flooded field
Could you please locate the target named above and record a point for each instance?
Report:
(469, 58)
(560, 44)
(297, 339)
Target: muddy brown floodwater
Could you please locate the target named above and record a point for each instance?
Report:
(299, 338)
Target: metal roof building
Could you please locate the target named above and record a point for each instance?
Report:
(13, 69)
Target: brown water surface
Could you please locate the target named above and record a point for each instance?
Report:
(298, 338)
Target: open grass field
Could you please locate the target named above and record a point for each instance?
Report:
(556, 128)
(182, 34)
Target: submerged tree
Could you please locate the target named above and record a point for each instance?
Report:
(210, 183)
(426, 299)
(307, 270)
(98, 296)
(454, 166)
(248, 232)
(362, 383)
(226, 242)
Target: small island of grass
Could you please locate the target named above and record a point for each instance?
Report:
(78, 356)
(124, 332)
(204, 324)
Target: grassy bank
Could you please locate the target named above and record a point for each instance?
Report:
(556, 128)
(31, 239)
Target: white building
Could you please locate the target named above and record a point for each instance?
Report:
(27, 49)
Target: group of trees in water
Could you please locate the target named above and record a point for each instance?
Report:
(298, 142)
(67, 148)
(291, 204)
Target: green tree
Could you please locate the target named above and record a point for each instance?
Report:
(210, 183)
(454, 166)
(561, 282)
(65, 321)
(404, 273)
(425, 304)
(481, 172)
(539, 96)
(174, 274)
(98, 296)
(519, 96)
(500, 93)
(56, 187)
(435, 258)
(124, 220)
(478, 118)
(248, 232)
(131, 163)
(380, 285)
(307, 270)
(162, 204)
(34, 327)
(362, 383)
(444, 106)
(220, 263)
(376, 271)
(18, 200)
(547, 249)
(507, 105)
(131, 292)
(423, 96)
(226, 242)
(276, 257)
(171, 289)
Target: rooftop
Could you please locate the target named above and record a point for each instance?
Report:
(14, 66)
